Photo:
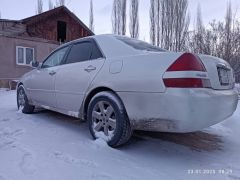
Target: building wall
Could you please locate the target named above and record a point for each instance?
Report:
(47, 28)
(9, 70)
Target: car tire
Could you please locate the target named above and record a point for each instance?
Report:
(22, 101)
(104, 110)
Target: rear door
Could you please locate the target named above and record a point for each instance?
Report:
(73, 79)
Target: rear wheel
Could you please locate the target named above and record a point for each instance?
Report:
(22, 101)
(108, 119)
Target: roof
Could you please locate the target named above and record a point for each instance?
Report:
(39, 17)
(29, 38)
(109, 45)
(9, 20)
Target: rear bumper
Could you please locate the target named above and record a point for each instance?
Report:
(179, 110)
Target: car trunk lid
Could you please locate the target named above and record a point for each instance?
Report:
(219, 72)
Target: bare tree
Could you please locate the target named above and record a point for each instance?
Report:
(200, 31)
(60, 3)
(201, 40)
(91, 17)
(231, 41)
(134, 19)
(116, 17)
(221, 39)
(50, 4)
(119, 16)
(181, 24)
(228, 32)
(152, 22)
(123, 16)
(158, 7)
(39, 6)
(174, 22)
(235, 50)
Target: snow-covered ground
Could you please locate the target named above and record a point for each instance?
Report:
(51, 146)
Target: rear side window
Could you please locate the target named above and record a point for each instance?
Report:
(96, 53)
(140, 45)
(80, 52)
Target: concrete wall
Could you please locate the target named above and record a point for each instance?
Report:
(9, 70)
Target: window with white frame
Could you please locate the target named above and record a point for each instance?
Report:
(24, 55)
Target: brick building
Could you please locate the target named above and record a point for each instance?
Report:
(34, 38)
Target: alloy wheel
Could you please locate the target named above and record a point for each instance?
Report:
(104, 120)
(21, 98)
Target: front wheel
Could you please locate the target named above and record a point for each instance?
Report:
(22, 101)
(108, 119)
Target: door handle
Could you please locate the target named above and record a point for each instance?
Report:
(52, 73)
(90, 68)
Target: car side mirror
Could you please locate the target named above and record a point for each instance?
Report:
(35, 64)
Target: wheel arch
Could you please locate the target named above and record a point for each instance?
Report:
(92, 93)
(19, 84)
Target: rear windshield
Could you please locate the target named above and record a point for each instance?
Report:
(140, 45)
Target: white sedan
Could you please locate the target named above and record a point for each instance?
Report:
(119, 84)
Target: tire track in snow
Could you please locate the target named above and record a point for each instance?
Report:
(4, 120)
(69, 159)
(8, 140)
(101, 176)
(8, 137)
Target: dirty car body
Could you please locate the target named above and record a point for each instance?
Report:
(160, 90)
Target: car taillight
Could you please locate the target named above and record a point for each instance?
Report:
(187, 83)
(187, 62)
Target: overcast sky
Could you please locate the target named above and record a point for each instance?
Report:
(19, 9)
